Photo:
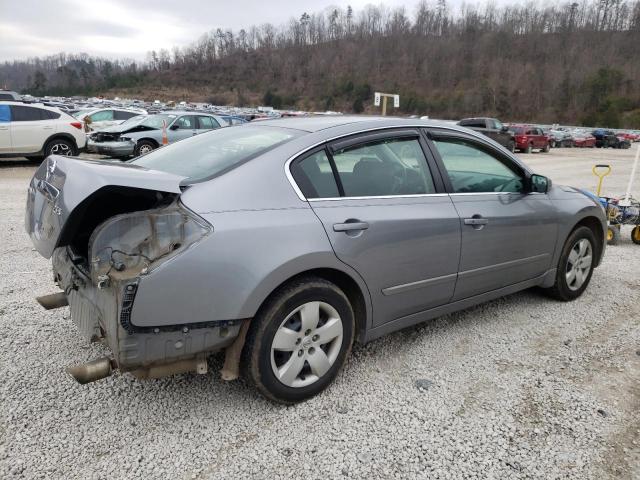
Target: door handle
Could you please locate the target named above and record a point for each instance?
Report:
(476, 221)
(350, 226)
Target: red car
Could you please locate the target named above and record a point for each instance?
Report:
(528, 137)
(584, 141)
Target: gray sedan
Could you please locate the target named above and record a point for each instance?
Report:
(285, 241)
(143, 133)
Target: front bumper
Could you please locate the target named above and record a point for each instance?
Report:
(101, 315)
(114, 149)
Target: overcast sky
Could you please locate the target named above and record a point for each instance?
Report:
(131, 28)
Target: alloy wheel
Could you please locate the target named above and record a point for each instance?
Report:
(579, 264)
(61, 149)
(307, 344)
(144, 149)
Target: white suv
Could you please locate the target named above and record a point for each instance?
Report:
(36, 131)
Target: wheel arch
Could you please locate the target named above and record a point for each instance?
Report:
(595, 225)
(148, 139)
(355, 291)
(63, 136)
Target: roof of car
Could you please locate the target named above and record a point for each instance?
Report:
(319, 122)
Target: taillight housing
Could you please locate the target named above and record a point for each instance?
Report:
(131, 244)
(78, 125)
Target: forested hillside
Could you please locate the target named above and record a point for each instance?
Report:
(569, 63)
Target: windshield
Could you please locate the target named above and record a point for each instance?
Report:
(208, 154)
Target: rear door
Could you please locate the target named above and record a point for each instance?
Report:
(508, 236)
(206, 123)
(5, 129)
(29, 128)
(383, 207)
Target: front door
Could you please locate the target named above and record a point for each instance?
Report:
(386, 216)
(508, 236)
(183, 127)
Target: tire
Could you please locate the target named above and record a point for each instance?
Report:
(580, 244)
(613, 235)
(528, 149)
(60, 146)
(635, 235)
(264, 365)
(546, 148)
(511, 146)
(143, 147)
(554, 144)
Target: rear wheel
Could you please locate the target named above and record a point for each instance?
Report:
(635, 235)
(546, 148)
(60, 146)
(298, 342)
(613, 235)
(511, 146)
(575, 266)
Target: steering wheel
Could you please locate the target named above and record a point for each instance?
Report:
(502, 187)
(399, 177)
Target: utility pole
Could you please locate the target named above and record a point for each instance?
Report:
(383, 96)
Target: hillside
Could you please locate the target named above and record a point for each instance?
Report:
(569, 63)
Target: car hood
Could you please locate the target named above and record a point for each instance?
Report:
(126, 129)
(61, 184)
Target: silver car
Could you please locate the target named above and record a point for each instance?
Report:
(283, 242)
(143, 133)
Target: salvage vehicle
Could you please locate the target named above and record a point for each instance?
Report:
(583, 139)
(35, 131)
(528, 137)
(560, 138)
(609, 139)
(492, 128)
(99, 118)
(142, 134)
(284, 241)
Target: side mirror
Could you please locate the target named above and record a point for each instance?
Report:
(175, 126)
(505, 128)
(539, 184)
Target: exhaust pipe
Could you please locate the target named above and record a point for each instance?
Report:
(55, 300)
(91, 371)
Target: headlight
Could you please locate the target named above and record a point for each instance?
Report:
(128, 245)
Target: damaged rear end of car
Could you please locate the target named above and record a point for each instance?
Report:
(106, 227)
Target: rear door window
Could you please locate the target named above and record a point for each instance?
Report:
(20, 113)
(123, 115)
(207, 123)
(314, 176)
(389, 167)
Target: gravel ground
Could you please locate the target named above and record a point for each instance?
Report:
(521, 387)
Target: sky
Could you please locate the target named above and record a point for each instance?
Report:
(131, 28)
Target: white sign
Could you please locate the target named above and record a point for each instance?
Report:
(396, 101)
(376, 99)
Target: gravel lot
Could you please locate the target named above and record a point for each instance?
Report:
(521, 387)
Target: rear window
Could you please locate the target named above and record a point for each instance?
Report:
(212, 153)
(21, 113)
(517, 130)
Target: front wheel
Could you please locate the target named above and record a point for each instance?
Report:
(613, 235)
(546, 148)
(528, 149)
(143, 147)
(299, 340)
(575, 266)
(635, 235)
